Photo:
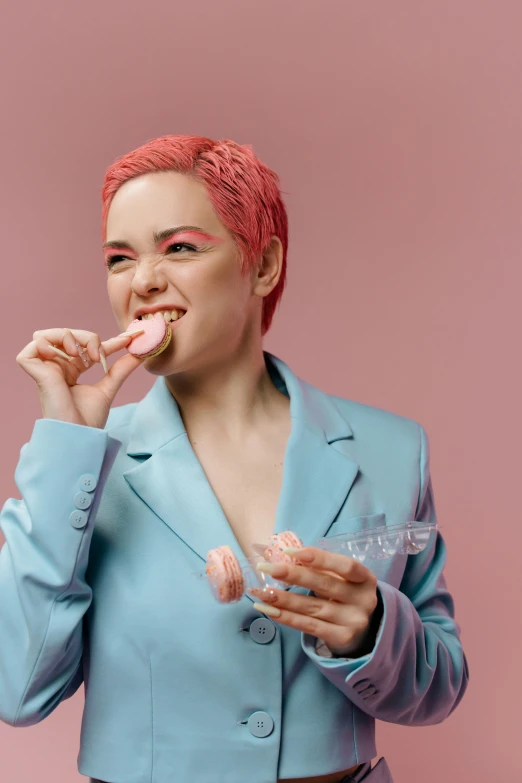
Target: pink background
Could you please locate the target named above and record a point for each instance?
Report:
(396, 128)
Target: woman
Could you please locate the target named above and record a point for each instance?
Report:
(121, 505)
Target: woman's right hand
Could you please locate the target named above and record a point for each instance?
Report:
(56, 377)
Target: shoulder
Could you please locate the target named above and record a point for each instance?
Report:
(375, 429)
(392, 448)
(370, 418)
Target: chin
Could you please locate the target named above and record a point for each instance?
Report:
(171, 361)
(164, 363)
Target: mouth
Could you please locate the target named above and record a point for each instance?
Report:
(168, 315)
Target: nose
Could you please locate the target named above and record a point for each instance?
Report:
(148, 278)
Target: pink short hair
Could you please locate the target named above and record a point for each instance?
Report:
(244, 192)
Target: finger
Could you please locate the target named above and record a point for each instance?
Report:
(103, 360)
(61, 353)
(39, 353)
(93, 348)
(32, 360)
(114, 344)
(348, 568)
(118, 374)
(327, 595)
(310, 605)
(344, 636)
(56, 335)
(79, 363)
(42, 349)
(321, 582)
(70, 343)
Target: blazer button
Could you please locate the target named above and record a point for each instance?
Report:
(82, 500)
(360, 686)
(262, 631)
(88, 482)
(260, 724)
(78, 519)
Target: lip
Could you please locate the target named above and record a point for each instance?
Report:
(157, 309)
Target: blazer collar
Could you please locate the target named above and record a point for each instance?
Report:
(318, 471)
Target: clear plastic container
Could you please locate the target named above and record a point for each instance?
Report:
(251, 577)
(377, 543)
(380, 543)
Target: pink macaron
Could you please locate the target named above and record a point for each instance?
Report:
(155, 338)
(225, 575)
(279, 541)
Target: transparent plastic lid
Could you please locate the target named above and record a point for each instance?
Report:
(379, 543)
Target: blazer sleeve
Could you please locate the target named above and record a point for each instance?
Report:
(43, 592)
(417, 673)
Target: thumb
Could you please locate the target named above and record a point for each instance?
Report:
(118, 374)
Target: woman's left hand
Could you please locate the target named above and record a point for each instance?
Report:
(344, 611)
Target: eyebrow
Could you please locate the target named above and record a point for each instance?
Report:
(158, 236)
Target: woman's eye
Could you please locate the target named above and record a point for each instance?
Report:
(113, 260)
(180, 245)
(174, 248)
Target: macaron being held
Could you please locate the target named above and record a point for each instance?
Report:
(229, 577)
(279, 541)
(155, 338)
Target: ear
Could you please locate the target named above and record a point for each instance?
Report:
(268, 270)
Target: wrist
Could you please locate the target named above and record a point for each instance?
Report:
(366, 644)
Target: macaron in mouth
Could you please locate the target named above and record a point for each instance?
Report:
(158, 328)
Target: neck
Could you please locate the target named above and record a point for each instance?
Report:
(229, 398)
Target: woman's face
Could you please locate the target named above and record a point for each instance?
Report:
(193, 267)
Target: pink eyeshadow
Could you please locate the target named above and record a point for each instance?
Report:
(125, 250)
(196, 234)
(109, 252)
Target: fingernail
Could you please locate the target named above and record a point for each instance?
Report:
(271, 611)
(264, 595)
(61, 353)
(103, 360)
(274, 569)
(131, 334)
(306, 557)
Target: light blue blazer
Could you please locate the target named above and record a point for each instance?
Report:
(97, 586)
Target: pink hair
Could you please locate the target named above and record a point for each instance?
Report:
(244, 192)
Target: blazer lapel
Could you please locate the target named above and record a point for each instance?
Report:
(171, 480)
(317, 475)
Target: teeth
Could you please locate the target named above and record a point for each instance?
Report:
(171, 315)
(168, 315)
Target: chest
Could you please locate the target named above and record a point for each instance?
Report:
(247, 483)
